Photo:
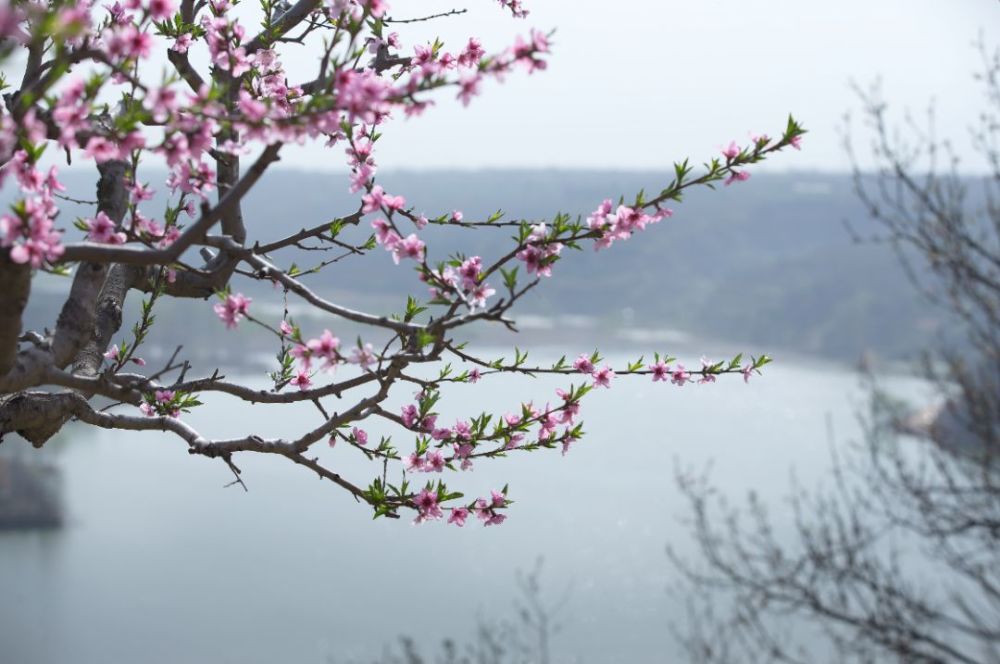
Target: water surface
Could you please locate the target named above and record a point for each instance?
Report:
(161, 564)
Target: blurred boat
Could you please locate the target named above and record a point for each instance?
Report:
(950, 426)
(30, 494)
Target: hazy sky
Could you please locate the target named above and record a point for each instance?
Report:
(641, 83)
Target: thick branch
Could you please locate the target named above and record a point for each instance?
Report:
(76, 320)
(283, 25)
(15, 285)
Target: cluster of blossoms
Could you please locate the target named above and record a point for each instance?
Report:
(324, 349)
(731, 152)
(602, 376)
(464, 437)
(367, 99)
(540, 251)
(410, 246)
(149, 229)
(29, 229)
(659, 371)
(162, 402)
(102, 229)
(619, 224)
(465, 279)
(428, 507)
(267, 109)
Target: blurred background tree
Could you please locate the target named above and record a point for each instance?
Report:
(898, 558)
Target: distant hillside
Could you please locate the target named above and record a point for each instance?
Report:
(767, 263)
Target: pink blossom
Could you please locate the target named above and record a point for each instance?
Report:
(603, 376)
(140, 192)
(52, 181)
(732, 151)
(102, 229)
(181, 44)
(377, 7)
(495, 519)
(101, 149)
(427, 504)
(129, 42)
(526, 52)
(458, 516)
(409, 247)
(601, 217)
(428, 422)
(660, 371)
(796, 142)
(474, 375)
(498, 499)
(364, 356)
(462, 430)
(569, 411)
(112, 353)
(469, 271)
(434, 462)
(362, 94)
(481, 508)
(479, 295)
(384, 234)
(118, 14)
(253, 110)
(302, 353)
(302, 380)
(414, 462)
(161, 9)
(680, 375)
(737, 176)
(471, 54)
(232, 310)
(373, 200)
(463, 451)
(468, 87)
(410, 415)
(583, 364)
(169, 238)
(286, 329)
(360, 435)
(325, 345)
(361, 176)
(36, 252)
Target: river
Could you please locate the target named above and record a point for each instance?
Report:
(159, 563)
